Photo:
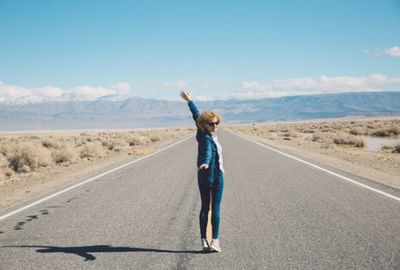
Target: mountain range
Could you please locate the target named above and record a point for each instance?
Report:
(138, 112)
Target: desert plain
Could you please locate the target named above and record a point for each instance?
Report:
(33, 164)
(366, 147)
(36, 163)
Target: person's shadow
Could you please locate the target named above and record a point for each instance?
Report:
(86, 251)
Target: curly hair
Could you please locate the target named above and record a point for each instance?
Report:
(207, 117)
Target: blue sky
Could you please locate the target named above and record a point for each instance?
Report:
(216, 49)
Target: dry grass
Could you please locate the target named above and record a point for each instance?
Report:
(348, 133)
(348, 139)
(63, 155)
(28, 156)
(3, 161)
(391, 131)
(92, 150)
(21, 154)
(155, 138)
(51, 144)
(342, 139)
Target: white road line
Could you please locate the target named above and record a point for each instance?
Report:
(90, 180)
(319, 168)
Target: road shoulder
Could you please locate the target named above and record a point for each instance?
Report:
(332, 161)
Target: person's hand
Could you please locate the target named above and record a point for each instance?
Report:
(185, 95)
(203, 166)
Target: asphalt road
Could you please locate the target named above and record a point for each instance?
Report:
(277, 213)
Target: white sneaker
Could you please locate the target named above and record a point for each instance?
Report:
(204, 244)
(215, 245)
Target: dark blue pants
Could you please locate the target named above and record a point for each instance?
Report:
(213, 193)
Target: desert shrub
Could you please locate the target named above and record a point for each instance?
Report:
(385, 132)
(78, 144)
(114, 144)
(393, 130)
(119, 144)
(326, 130)
(28, 156)
(8, 172)
(316, 137)
(91, 150)
(386, 147)
(5, 149)
(107, 144)
(135, 142)
(357, 131)
(348, 140)
(396, 148)
(82, 141)
(51, 144)
(155, 138)
(380, 133)
(5, 173)
(143, 139)
(62, 155)
(3, 161)
(24, 169)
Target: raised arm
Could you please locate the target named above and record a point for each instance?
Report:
(195, 112)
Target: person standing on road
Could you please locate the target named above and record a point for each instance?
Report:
(210, 174)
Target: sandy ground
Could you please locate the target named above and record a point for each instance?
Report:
(306, 139)
(24, 187)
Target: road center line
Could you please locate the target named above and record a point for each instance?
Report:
(90, 179)
(318, 167)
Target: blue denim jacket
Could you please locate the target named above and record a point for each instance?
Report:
(207, 153)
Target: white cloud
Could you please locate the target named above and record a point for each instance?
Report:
(49, 92)
(392, 52)
(122, 87)
(12, 94)
(319, 85)
(180, 85)
(88, 93)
